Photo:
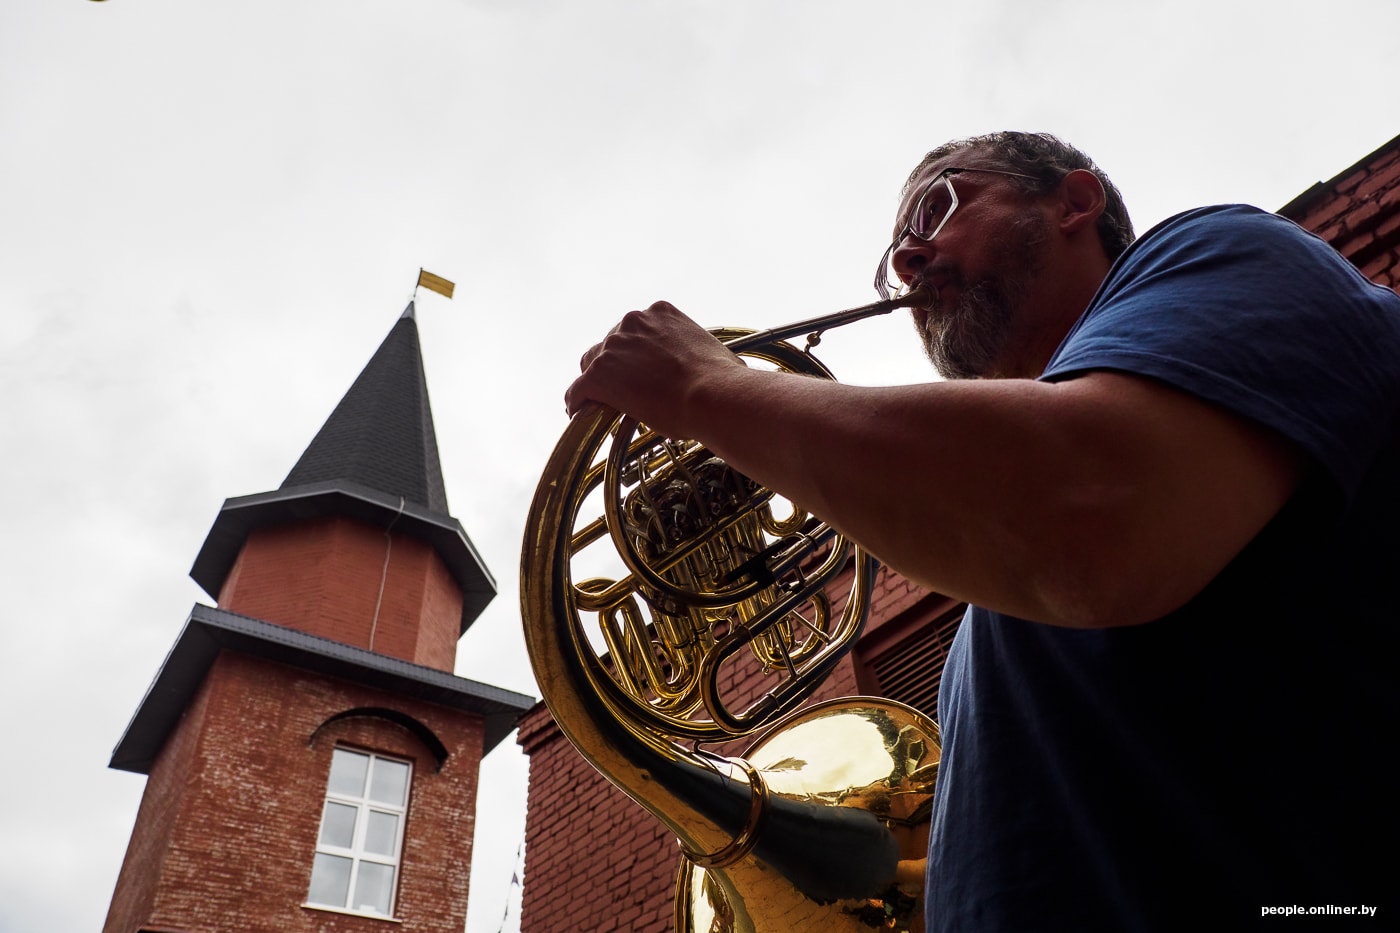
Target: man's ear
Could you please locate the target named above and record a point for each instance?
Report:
(1081, 200)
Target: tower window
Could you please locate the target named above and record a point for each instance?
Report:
(357, 851)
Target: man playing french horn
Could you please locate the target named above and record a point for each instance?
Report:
(1161, 473)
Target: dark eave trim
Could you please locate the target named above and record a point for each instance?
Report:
(209, 631)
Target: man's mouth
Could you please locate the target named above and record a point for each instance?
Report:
(921, 295)
(924, 301)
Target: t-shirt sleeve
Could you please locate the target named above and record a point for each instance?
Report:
(1249, 311)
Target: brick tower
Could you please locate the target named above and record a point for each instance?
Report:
(312, 760)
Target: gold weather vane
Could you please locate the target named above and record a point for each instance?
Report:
(434, 283)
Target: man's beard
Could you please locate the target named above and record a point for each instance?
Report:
(965, 341)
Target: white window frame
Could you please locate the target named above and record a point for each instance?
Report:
(356, 852)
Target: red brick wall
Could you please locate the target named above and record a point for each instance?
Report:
(891, 596)
(594, 860)
(227, 828)
(323, 577)
(156, 821)
(1358, 212)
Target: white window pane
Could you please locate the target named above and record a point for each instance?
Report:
(382, 833)
(330, 880)
(348, 773)
(389, 783)
(373, 887)
(368, 833)
(338, 825)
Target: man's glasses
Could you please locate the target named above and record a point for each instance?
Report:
(930, 213)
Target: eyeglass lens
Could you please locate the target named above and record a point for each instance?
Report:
(930, 213)
(933, 209)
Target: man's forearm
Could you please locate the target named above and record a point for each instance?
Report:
(1107, 500)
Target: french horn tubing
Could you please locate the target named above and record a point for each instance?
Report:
(668, 599)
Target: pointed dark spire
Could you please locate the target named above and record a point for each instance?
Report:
(381, 434)
(374, 460)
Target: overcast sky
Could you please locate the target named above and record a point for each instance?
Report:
(212, 213)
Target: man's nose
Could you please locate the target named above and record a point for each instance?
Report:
(911, 256)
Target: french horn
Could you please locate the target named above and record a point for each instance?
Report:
(670, 603)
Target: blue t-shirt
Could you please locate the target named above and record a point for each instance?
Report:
(1232, 755)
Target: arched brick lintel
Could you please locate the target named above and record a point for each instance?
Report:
(427, 736)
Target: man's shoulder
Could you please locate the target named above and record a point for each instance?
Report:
(1238, 254)
(1213, 215)
(1250, 312)
(1216, 227)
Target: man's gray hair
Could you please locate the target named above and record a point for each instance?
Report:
(1047, 159)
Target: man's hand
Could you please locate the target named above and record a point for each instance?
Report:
(649, 366)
